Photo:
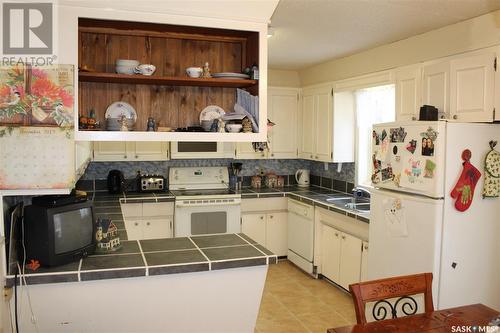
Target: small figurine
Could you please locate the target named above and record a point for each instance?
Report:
(215, 123)
(151, 126)
(206, 71)
(124, 123)
(221, 126)
(106, 236)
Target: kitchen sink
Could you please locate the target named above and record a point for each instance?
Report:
(339, 200)
(362, 207)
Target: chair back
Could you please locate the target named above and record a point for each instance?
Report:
(398, 289)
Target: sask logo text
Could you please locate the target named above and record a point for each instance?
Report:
(27, 28)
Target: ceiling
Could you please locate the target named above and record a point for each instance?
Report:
(308, 32)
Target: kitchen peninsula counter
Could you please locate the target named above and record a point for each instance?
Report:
(158, 257)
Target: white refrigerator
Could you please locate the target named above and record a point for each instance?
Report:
(414, 225)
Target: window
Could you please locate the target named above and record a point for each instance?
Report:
(373, 106)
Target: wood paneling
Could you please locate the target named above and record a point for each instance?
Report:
(171, 50)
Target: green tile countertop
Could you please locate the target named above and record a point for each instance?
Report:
(158, 257)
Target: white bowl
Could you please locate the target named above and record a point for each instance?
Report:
(127, 62)
(194, 71)
(125, 69)
(234, 128)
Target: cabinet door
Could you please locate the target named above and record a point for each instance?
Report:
(364, 262)
(350, 260)
(277, 233)
(148, 151)
(306, 123)
(323, 124)
(244, 150)
(330, 248)
(254, 226)
(408, 89)
(436, 86)
(131, 210)
(134, 229)
(111, 151)
(472, 80)
(282, 110)
(157, 228)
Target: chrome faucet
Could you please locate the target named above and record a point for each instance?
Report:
(359, 192)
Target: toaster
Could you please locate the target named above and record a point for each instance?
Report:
(150, 183)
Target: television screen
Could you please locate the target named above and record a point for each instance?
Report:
(72, 230)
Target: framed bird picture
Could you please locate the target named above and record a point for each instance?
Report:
(37, 95)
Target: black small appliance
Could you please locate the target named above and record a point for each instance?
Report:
(428, 112)
(115, 181)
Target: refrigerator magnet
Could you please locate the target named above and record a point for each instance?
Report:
(412, 146)
(430, 166)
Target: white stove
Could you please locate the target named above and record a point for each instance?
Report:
(204, 204)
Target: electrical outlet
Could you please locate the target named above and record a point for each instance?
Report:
(7, 293)
(326, 166)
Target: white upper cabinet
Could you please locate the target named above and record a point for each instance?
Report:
(436, 86)
(316, 122)
(306, 124)
(408, 92)
(283, 106)
(472, 87)
(110, 151)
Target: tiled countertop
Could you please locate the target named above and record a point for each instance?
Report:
(158, 257)
(313, 195)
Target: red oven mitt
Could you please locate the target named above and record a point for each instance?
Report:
(464, 188)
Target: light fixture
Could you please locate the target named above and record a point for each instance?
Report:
(270, 31)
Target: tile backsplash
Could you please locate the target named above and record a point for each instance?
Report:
(99, 170)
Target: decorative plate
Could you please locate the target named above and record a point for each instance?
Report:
(211, 112)
(117, 109)
(228, 75)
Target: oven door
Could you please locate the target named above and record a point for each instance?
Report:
(193, 218)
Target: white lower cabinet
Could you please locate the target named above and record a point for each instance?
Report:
(341, 256)
(266, 222)
(148, 220)
(270, 230)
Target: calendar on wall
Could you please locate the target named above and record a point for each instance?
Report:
(36, 158)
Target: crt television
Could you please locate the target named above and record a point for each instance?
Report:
(59, 229)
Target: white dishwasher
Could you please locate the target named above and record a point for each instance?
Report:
(301, 234)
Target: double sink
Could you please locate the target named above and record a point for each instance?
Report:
(361, 205)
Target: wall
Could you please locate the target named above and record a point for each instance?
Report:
(282, 78)
(480, 32)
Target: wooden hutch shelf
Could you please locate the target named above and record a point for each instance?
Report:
(164, 80)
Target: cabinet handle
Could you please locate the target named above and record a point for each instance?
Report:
(343, 237)
(366, 247)
(148, 223)
(272, 154)
(136, 224)
(316, 156)
(136, 156)
(124, 156)
(262, 217)
(311, 156)
(455, 116)
(413, 118)
(270, 216)
(336, 234)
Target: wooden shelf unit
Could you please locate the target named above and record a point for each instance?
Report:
(172, 98)
(164, 80)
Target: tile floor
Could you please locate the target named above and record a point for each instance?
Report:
(295, 302)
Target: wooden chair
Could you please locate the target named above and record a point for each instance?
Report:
(400, 287)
